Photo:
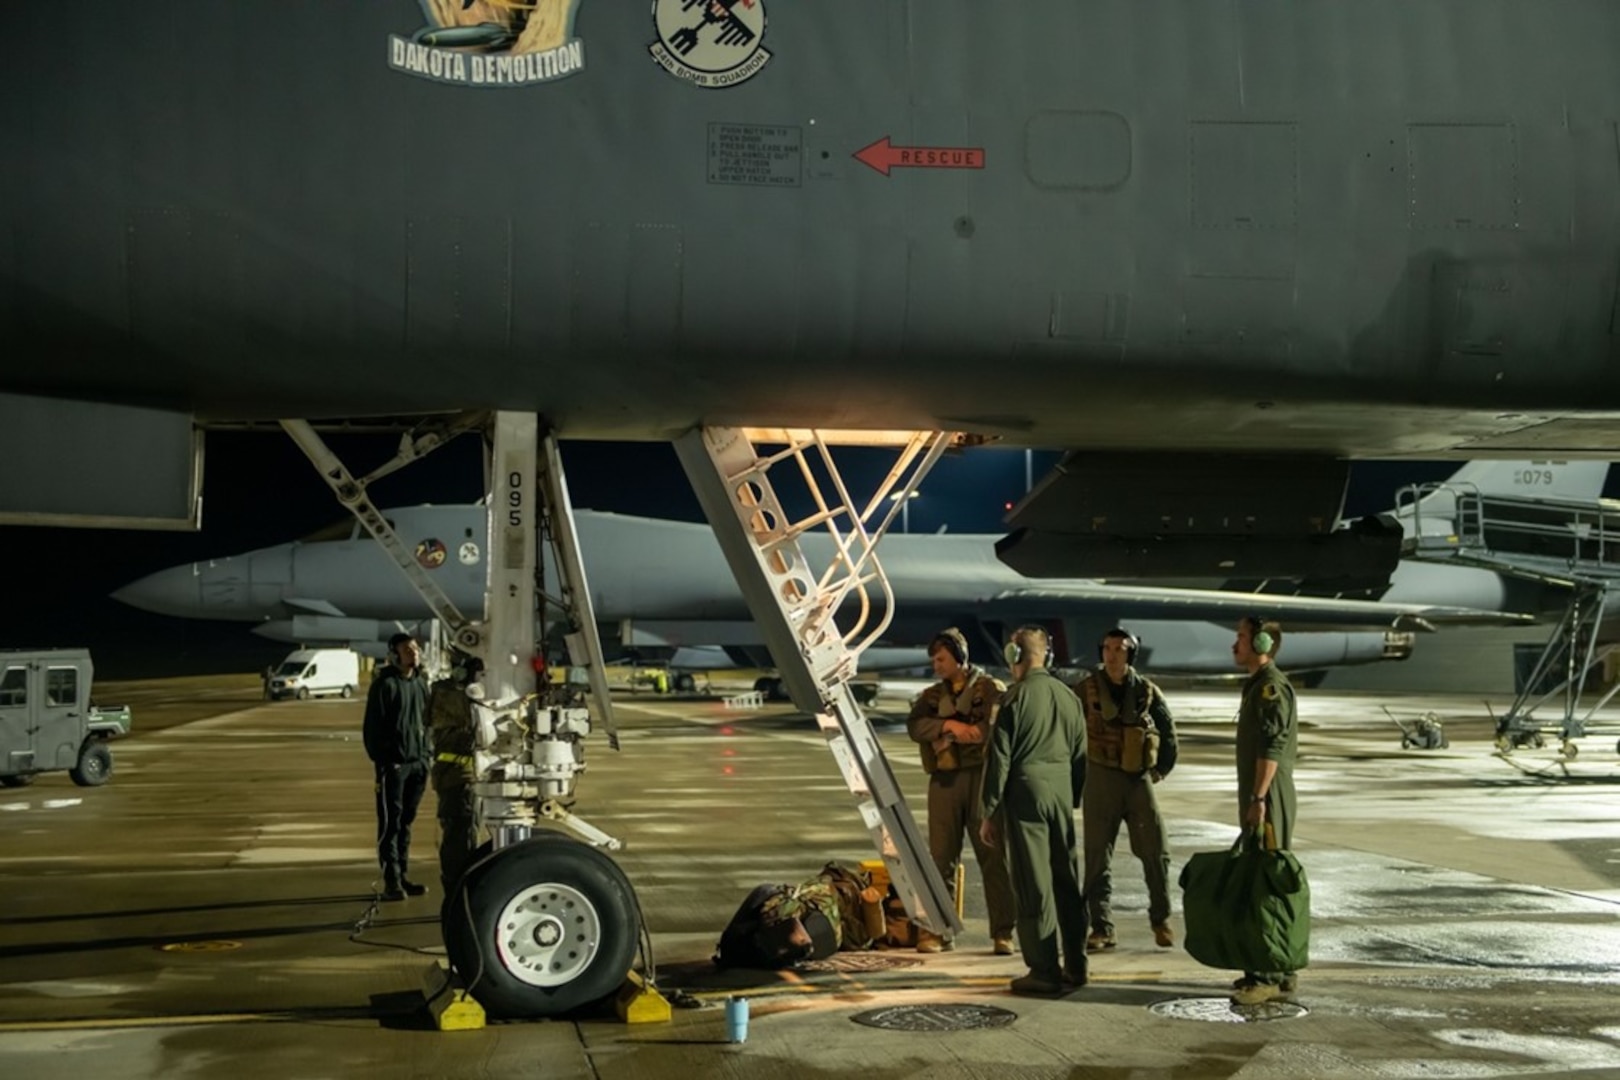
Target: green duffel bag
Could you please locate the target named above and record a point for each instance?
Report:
(1247, 909)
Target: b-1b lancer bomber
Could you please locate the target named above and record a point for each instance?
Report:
(1216, 251)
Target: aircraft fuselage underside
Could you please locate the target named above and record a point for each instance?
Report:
(1369, 229)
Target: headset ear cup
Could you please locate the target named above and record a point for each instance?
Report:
(1012, 653)
(1263, 643)
(1130, 640)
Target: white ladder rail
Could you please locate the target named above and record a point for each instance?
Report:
(795, 614)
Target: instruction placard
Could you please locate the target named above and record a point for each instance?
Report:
(764, 155)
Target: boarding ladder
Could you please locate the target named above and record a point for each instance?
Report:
(796, 606)
(1574, 544)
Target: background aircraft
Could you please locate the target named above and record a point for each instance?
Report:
(335, 587)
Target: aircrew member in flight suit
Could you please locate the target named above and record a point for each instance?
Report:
(1130, 746)
(950, 722)
(1033, 776)
(1267, 743)
(451, 723)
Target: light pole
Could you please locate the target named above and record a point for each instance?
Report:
(905, 508)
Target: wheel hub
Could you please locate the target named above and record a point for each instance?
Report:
(548, 934)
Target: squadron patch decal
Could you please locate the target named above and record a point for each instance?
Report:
(491, 43)
(1269, 692)
(710, 43)
(431, 553)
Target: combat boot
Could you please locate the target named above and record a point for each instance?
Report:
(1256, 993)
(1032, 985)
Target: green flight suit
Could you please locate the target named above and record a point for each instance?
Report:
(1268, 727)
(1034, 774)
(450, 720)
(954, 777)
(1114, 796)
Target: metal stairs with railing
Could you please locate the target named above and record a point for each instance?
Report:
(1573, 544)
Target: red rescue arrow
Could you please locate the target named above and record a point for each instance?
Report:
(884, 155)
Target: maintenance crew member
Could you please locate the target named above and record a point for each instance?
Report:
(450, 717)
(397, 742)
(950, 722)
(1130, 746)
(1267, 743)
(1036, 769)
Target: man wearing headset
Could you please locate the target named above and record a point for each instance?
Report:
(450, 718)
(396, 741)
(950, 722)
(1267, 743)
(1033, 776)
(1130, 746)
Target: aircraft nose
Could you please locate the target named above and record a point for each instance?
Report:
(175, 591)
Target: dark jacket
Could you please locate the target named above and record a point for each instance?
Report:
(395, 728)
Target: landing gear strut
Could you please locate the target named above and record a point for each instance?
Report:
(542, 923)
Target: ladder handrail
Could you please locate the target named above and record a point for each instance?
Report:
(1567, 540)
(796, 610)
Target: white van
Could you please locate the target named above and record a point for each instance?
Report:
(313, 672)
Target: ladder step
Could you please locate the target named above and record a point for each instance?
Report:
(797, 621)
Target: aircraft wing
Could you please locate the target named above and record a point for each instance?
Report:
(1302, 612)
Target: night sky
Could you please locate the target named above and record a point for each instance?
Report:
(259, 490)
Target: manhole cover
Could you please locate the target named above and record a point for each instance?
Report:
(935, 1017)
(859, 962)
(200, 946)
(1219, 1010)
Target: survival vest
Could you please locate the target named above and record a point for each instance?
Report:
(1120, 736)
(976, 704)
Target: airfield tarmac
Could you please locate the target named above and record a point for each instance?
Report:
(196, 917)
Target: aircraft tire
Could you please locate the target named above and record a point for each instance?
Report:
(18, 780)
(542, 928)
(95, 764)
